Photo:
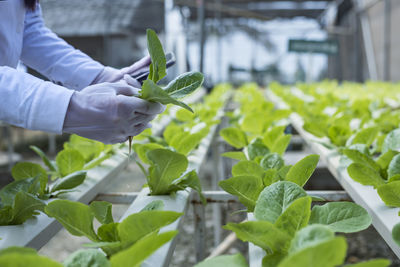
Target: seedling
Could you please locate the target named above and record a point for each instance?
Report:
(180, 87)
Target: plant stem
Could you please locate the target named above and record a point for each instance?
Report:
(130, 144)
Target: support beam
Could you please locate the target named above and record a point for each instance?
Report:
(368, 44)
(232, 11)
(10, 146)
(200, 231)
(202, 32)
(387, 39)
(219, 196)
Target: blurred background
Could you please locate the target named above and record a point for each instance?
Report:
(229, 40)
(240, 40)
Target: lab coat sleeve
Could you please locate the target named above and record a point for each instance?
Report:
(32, 103)
(45, 52)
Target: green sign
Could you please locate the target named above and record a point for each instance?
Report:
(330, 47)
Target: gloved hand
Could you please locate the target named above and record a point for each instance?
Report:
(110, 74)
(109, 112)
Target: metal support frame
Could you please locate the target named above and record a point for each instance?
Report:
(368, 44)
(219, 197)
(218, 58)
(217, 174)
(202, 31)
(224, 9)
(200, 230)
(10, 146)
(52, 144)
(387, 39)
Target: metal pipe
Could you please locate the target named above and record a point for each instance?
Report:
(117, 197)
(358, 73)
(201, 25)
(387, 39)
(200, 231)
(224, 246)
(52, 144)
(219, 42)
(218, 196)
(330, 195)
(10, 146)
(215, 180)
(225, 9)
(368, 6)
(107, 15)
(368, 44)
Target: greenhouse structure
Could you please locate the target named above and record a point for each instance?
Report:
(205, 133)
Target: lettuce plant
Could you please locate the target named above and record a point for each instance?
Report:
(260, 163)
(293, 234)
(138, 233)
(370, 149)
(180, 87)
(250, 178)
(127, 243)
(167, 155)
(168, 172)
(24, 198)
(286, 227)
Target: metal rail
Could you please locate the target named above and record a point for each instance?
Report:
(218, 196)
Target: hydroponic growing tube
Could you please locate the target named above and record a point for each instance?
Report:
(256, 253)
(383, 217)
(178, 203)
(36, 232)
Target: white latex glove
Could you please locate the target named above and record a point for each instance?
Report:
(110, 74)
(109, 112)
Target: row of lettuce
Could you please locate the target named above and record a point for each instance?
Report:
(283, 220)
(284, 225)
(165, 163)
(360, 121)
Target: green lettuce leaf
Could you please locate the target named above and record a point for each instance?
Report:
(344, 217)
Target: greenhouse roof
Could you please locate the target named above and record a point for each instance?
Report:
(259, 9)
(99, 17)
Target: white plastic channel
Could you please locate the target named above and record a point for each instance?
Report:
(36, 232)
(177, 202)
(256, 254)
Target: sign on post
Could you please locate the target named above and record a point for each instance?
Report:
(329, 47)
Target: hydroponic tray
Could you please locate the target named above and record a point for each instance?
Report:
(383, 218)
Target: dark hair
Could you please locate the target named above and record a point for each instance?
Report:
(31, 4)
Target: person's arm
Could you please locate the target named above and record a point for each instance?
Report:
(107, 112)
(32, 103)
(48, 54)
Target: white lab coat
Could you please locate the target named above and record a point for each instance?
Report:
(25, 100)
